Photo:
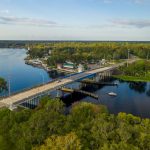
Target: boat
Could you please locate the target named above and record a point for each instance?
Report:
(112, 94)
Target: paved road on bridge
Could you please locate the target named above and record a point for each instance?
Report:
(23, 96)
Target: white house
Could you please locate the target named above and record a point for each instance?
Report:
(80, 68)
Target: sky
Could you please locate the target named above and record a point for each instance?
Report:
(123, 20)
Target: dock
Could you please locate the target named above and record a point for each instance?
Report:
(98, 83)
(69, 90)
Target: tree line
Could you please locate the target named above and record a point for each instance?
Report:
(86, 126)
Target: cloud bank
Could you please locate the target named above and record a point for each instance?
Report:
(133, 1)
(26, 21)
(133, 23)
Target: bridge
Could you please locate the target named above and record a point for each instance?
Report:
(30, 94)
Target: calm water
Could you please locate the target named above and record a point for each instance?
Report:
(132, 98)
(21, 76)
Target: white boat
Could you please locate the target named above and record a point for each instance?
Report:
(112, 94)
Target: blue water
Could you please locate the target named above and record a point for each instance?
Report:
(132, 98)
(20, 75)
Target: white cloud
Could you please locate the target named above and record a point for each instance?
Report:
(135, 23)
(6, 11)
(133, 1)
(26, 21)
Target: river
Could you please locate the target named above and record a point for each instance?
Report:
(14, 70)
(131, 97)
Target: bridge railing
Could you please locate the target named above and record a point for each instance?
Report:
(30, 88)
(37, 86)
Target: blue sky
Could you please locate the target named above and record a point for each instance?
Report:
(75, 20)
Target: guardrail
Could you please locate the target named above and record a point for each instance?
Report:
(37, 86)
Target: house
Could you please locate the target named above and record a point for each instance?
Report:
(80, 68)
(59, 66)
(103, 61)
(69, 65)
(50, 52)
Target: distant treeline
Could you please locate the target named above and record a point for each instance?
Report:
(16, 43)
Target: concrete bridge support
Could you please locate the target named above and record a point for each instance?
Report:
(102, 76)
(59, 94)
(32, 102)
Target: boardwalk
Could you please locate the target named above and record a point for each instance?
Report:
(23, 96)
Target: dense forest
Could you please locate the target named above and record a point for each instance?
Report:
(80, 52)
(85, 126)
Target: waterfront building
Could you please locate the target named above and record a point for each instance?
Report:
(59, 66)
(103, 61)
(80, 68)
(69, 65)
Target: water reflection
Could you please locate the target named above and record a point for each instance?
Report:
(148, 91)
(131, 97)
(138, 86)
(55, 74)
(3, 88)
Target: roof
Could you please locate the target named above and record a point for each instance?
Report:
(70, 65)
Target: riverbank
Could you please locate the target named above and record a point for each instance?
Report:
(37, 63)
(132, 78)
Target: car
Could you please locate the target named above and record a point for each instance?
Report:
(58, 81)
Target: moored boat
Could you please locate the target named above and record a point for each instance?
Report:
(112, 94)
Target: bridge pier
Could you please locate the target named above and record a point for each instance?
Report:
(59, 94)
(34, 101)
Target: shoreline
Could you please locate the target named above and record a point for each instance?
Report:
(42, 65)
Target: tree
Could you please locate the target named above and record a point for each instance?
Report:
(67, 142)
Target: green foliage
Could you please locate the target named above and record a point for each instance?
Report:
(87, 126)
(3, 84)
(67, 142)
(81, 52)
(138, 71)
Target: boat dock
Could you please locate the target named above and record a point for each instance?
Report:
(98, 83)
(69, 90)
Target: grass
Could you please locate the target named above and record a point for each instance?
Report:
(133, 78)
